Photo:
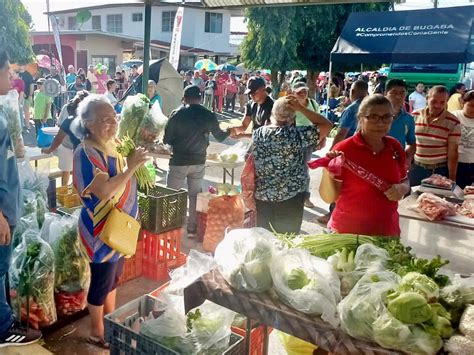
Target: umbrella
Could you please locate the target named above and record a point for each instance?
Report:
(169, 84)
(227, 67)
(240, 69)
(206, 64)
(44, 61)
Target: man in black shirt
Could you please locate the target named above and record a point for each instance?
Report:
(27, 103)
(187, 132)
(259, 108)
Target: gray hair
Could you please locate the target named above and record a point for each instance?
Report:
(282, 113)
(87, 113)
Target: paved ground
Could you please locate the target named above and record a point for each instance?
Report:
(71, 339)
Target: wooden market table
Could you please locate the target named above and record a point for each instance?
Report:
(267, 310)
(35, 154)
(451, 240)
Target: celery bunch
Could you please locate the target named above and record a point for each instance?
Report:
(144, 178)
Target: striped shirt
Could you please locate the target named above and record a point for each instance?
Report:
(432, 138)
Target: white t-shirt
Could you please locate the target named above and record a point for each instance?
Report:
(113, 100)
(466, 144)
(419, 100)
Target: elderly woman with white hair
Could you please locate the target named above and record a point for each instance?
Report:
(104, 180)
(279, 154)
(153, 94)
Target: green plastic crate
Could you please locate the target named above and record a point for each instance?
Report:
(163, 209)
(125, 341)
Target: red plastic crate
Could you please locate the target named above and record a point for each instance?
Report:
(162, 252)
(256, 338)
(250, 221)
(133, 267)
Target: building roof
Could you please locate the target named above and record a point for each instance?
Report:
(166, 45)
(92, 32)
(118, 4)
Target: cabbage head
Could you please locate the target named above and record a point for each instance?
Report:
(422, 343)
(410, 308)
(297, 279)
(422, 284)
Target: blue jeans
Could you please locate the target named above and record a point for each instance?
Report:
(194, 174)
(6, 314)
(419, 173)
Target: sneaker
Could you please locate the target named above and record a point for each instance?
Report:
(18, 335)
(324, 219)
(308, 203)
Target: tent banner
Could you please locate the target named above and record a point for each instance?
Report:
(417, 36)
(176, 38)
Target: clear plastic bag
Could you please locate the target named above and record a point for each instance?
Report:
(32, 281)
(197, 264)
(28, 221)
(10, 106)
(235, 153)
(204, 330)
(244, 258)
(307, 283)
(153, 126)
(364, 304)
(72, 272)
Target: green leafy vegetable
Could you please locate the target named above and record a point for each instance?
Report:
(297, 279)
(422, 284)
(410, 308)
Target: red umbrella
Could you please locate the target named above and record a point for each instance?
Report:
(44, 61)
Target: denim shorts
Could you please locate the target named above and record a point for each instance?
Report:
(104, 279)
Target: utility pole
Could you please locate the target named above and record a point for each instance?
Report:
(435, 3)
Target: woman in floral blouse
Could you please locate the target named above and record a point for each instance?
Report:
(279, 150)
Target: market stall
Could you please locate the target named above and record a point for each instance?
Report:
(267, 310)
(453, 240)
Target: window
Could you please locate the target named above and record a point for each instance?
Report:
(71, 23)
(138, 17)
(114, 23)
(108, 60)
(96, 23)
(167, 21)
(213, 23)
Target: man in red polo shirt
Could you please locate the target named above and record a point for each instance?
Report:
(437, 135)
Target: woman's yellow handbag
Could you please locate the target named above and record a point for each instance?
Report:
(121, 232)
(296, 346)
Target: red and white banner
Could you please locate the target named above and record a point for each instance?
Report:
(176, 38)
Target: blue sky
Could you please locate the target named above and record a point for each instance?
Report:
(38, 7)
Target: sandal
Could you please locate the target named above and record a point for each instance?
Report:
(99, 342)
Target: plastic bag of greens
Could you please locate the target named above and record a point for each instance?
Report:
(307, 283)
(235, 153)
(204, 330)
(9, 105)
(351, 266)
(29, 221)
(390, 333)
(244, 258)
(153, 126)
(32, 281)
(134, 110)
(169, 326)
(72, 267)
(365, 303)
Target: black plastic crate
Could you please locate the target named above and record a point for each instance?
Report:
(163, 209)
(124, 340)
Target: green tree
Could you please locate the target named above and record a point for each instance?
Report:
(271, 41)
(320, 28)
(15, 22)
(296, 37)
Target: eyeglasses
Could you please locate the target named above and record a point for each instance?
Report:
(377, 118)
